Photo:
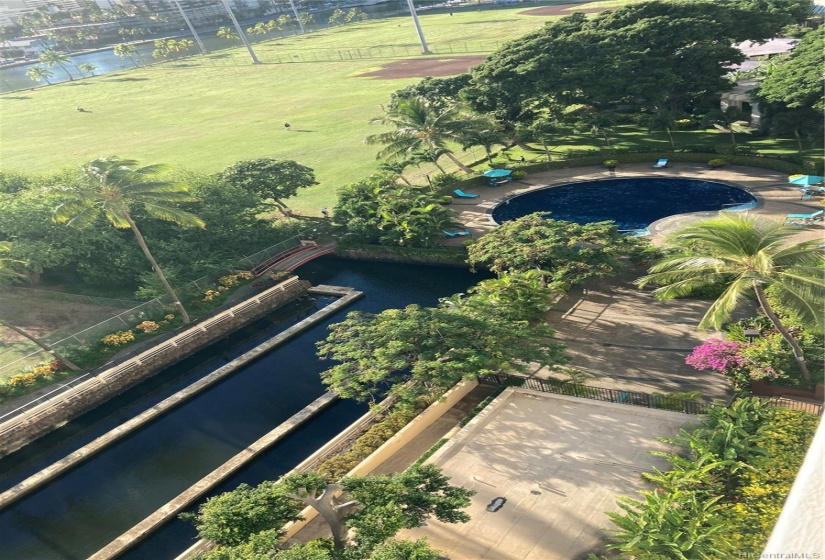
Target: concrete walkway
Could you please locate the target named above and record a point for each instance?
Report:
(626, 339)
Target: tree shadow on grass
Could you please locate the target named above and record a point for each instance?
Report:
(129, 79)
(17, 97)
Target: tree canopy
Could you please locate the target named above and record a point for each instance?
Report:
(658, 55)
(378, 210)
(363, 512)
(270, 178)
(569, 253)
(796, 78)
(421, 350)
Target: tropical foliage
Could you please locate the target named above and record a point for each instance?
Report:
(747, 255)
(111, 189)
(378, 210)
(568, 253)
(363, 514)
(421, 350)
(724, 490)
(270, 179)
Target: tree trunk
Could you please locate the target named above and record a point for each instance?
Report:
(69, 364)
(670, 137)
(797, 350)
(66, 70)
(331, 513)
(798, 140)
(443, 172)
(157, 270)
(461, 166)
(733, 140)
(606, 139)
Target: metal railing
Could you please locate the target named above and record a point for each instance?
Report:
(152, 309)
(598, 393)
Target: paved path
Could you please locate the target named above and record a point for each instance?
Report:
(626, 339)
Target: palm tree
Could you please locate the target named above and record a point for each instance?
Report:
(486, 138)
(747, 255)
(113, 187)
(124, 50)
(87, 68)
(50, 58)
(662, 120)
(228, 33)
(419, 127)
(728, 121)
(38, 73)
(7, 274)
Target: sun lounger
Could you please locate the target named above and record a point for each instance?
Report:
(661, 164)
(804, 219)
(461, 194)
(456, 233)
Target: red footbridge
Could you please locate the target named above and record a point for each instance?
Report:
(294, 257)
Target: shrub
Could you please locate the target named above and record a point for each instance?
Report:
(147, 326)
(717, 162)
(518, 174)
(444, 180)
(118, 338)
(610, 163)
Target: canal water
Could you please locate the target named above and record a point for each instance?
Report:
(82, 511)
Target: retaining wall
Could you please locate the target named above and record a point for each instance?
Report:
(42, 419)
(761, 388)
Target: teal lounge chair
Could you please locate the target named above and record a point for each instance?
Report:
(661, 164)
(461, 194)
(804, 219)
(456, 233)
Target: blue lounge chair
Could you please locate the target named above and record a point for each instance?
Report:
(461, 194)
(661, 164)
(804, 219)
(456, 233)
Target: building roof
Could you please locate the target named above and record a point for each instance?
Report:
(768, 48)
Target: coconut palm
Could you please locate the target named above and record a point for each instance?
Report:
(228, 33)
(50, 58)
(87, 69)
(487, 138)
(7, 275)
(38, 73)
(126, 50)
(113, 187)
(420, 127)
(747, 255)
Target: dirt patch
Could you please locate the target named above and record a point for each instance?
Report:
(422, 68)
(561, 10)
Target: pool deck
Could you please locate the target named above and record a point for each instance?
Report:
(776, 197)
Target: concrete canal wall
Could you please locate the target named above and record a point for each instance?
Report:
(346, 296)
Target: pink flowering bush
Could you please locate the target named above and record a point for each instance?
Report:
(724, 356)
(741, 362)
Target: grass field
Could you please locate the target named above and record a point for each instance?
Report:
(204, 117)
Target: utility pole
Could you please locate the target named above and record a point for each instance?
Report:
(421, 39)
(241, 34)
(190, 26)
(295, 11)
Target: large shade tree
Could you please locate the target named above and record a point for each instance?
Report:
(746, 255)
(665, 55)
(271, 179)
(113, 188)
(423, 350)
(796, 78)
(421, 126)
(363, 513)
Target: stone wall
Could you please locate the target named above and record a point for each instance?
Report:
(42, 419)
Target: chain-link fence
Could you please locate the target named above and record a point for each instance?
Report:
(154, 309)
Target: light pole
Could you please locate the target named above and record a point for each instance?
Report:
(421, 39)
(241, 34)
(295, 11)
(190, 26)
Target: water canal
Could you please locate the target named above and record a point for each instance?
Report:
(82, 511)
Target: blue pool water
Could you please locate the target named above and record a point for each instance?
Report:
(633, 204)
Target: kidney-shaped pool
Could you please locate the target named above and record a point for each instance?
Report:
(633, 203)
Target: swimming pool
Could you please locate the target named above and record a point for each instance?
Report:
(633, 203)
